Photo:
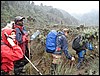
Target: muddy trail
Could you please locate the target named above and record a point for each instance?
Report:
(42, 60)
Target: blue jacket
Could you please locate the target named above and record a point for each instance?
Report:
(89, 46)
(19, 35)
(63, 44)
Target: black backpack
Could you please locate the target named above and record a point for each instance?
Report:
(76, 44)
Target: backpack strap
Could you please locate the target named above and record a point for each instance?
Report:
(2, 43)
(21, 31)
(59, 34)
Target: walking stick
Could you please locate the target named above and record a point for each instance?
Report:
(33, 66)
(29, 43)
(29, 46)
(72, 63)
(29, 50)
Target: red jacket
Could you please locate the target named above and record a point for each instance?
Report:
(9, 53)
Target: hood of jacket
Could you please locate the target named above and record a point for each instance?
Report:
(4, 38)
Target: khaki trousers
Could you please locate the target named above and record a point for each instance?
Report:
(56, 59)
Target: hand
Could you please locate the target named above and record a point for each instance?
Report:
(10, 40)
(73, 59)
(96, 46)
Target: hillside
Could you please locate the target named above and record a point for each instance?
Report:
(90, 18)
(43, 15)
(43, 18)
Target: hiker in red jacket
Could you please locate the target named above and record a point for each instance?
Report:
(10, 51)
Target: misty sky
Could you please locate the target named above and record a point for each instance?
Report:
(78, 7)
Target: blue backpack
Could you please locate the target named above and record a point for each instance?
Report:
(51, 41)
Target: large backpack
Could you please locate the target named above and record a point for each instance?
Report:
(76, 44)
(51, 41)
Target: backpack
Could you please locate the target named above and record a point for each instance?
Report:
(51, 41)
(76, 44)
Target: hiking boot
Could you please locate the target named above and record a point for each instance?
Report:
(52, 72)
(78, 65)
(4, 73)
(80, 62)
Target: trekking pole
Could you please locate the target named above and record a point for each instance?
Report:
(29, 42)
(72, 63)
(33, 66)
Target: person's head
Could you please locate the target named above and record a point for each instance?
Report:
(19, 20)
(8, 32)
(91, 37)
(66, 31)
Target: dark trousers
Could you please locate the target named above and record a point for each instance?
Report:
(80, 61)
(53, 68)
(18, 66)
(81, 56)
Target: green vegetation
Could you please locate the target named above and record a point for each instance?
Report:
(43, 15)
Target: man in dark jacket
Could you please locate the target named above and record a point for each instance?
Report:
(85, 43)
(62, 46)
(21, 37)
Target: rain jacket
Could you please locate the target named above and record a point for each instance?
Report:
(86, 45)
(9, 53)
(62, 44)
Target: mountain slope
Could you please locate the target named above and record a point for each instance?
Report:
(90, 18)
(43, 15)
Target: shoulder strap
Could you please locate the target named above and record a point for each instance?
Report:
(2, 43)
(21, 31)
